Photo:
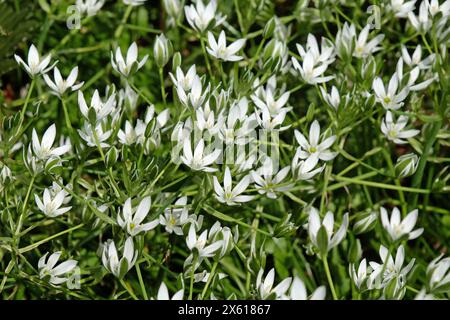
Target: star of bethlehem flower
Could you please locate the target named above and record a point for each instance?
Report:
(298, 291)
(265, 287)
(196, 96)
(51, 203)
(360, 275)
(333, 99)
(394, 131)
(310, 71)
(89, 7)
(389, 270)
(163, 293)
(314, 149)
(416, 58)
(397, 228)
(59, 86)
(110, 258)
(95, 136)
(182, 80)
(36, 64)
(221, 51)
(197, 160)
(43, 149)
(391, 97)
(57, 274)
(304, 170)
(200, 17)
(224, 234)
(401, 8)
(174, 219)
(130, 219)
(200, 245)
(323, 55)
(315, 225)
(130, 65)
(363, 48)
(270, 182)
(275, 107)
(438, 274)
(229, 195)
(101, 109)
(424, 21)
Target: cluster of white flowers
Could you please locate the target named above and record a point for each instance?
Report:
(228, 156)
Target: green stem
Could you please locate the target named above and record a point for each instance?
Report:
(191, 285)
(25, 203)
(211, 276)
(122, 23)
(141, 282)
(208, 65)
(27, 99)
(163, 89)
(330, 280)
(128, 289)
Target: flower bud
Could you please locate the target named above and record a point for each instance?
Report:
(173, 8)
(162, 50)
(269, 28)
(176, 61)
(111, 157)
(406, 165)
(365, 222)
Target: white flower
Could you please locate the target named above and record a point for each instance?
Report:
(361, 276)
(345, 41)
(228, 195)
(394, 131)
(174, 219)
(389, 97)
(134, 2)
(60, 86)
(163, 293)
(131, 64)
(416, 58)
(111, 260)
(298, 291)
(199, 243)
(437, 274)
(324, 55)
(397, 228)
(220, 50)
(200, 16)
(265, 288)
(333, 238)
(185, 81)
(197, 160)
(129, 136)
(364, 48)
(269, 182)
(275, 107)
(196, 96)
(162, 49)
(43, 150)
(424, 21)
(389, 269)
(333, 99)
(313, 149)
(89, 7)
(47, 267)
(36, 64)
(402, 8)
(304, 170)
(101, 109)
(51, 203)
(130, 219)
(93, 137)
(271, 122)
(309, 71)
